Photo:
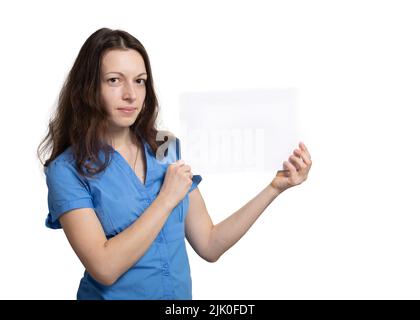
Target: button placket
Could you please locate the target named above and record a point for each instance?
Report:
(165, 269)
(168, 286)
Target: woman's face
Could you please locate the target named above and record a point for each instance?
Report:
(123, 86)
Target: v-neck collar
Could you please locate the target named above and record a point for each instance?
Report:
(130, 170)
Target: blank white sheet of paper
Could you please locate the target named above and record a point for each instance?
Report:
(238, 131)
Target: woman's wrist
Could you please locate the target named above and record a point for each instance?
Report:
(166, 201)
(275, 189)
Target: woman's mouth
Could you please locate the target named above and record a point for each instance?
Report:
(127, 111)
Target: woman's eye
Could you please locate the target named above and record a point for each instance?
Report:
(112, 79)
(138, 80)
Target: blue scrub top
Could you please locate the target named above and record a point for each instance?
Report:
(119, 198)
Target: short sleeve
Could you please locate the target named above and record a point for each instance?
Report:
(196, 179)
(66, 191)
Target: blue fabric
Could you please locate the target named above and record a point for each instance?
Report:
(118, 198)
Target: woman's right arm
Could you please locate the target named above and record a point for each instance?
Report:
(106, 260)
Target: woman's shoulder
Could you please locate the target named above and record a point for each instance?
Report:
(64, 158)
(66, 164)
(63, 164)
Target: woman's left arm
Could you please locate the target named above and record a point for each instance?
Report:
(211, 241)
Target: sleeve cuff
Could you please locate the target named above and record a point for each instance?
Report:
(52, 221)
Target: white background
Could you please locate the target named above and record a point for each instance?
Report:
(349, 232)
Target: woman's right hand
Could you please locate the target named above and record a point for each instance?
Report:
(178, 180)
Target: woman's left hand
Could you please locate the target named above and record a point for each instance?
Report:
(295, 170)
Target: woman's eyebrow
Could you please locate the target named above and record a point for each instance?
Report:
(123, 73)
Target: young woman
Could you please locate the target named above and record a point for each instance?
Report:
(125, 213)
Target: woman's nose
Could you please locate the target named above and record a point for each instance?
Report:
(129, 92)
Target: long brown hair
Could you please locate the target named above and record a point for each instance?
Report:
(80, 120)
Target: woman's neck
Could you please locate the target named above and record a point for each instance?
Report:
(123, 139)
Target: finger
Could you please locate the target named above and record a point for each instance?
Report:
(288, 166)
(303, 155)
(186, 168)
(305, 150)
(297, 162)
(188, 174)
(284, 173)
